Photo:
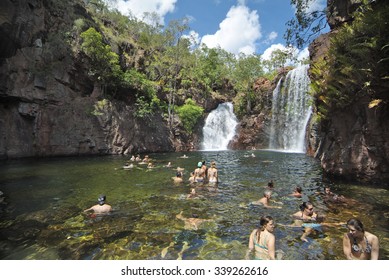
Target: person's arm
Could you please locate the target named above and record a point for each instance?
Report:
(271, 247)
(347, 247)
(251, 245)
(375, 248)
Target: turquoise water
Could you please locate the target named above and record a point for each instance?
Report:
(44, 219)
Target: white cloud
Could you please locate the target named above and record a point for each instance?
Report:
(267, 53)
(238, 32)
(304, 54)
(194, 39)
(315, 5)
(271, 37)
(139, 7)
(299, 55)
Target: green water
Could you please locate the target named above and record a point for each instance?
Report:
(44, 219)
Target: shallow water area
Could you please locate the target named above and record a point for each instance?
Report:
(42, 215)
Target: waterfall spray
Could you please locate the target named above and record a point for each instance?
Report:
(290, 111)
(219, 128)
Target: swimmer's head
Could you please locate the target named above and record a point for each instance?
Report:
(267, 193)
(199, 164)
(101, 199)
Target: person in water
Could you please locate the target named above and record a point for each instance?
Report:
(204, 167)
(199, 174)
(192, 223)
(297, 192)
(308, 219)
(178, 178)
(270, 184)
(191, 178)
(212, 173)
(101, 207)
(359, 244)
(262, 240)
(265, 200)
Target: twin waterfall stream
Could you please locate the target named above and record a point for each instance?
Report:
(290, 114)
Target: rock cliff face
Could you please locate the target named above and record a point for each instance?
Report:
(354, 143)
(48, 105)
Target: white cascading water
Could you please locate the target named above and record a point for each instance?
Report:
(291, 111)
(219, 128)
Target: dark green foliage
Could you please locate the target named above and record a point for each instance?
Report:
(104, 62)
(190, 114)
(358, 62)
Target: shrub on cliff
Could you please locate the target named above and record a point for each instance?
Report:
(190, 113)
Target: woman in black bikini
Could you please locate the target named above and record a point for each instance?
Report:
(359, 244)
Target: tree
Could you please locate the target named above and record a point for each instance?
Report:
(104, 62)
(247, 69)
(190, 113)
(306, 25)
(278, 59)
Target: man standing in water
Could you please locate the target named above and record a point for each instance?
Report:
(359, 244)
(101, 207)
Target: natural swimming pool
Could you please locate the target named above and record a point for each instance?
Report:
(44, 219)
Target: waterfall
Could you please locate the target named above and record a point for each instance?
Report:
(219, 128)
(291, 111)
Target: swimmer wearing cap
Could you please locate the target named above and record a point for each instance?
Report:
(199, 173)
(101, 207)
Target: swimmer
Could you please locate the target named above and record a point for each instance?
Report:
(212, 173)
(146, 159)
(128, 166)
(178, 178)
(265, 200)
(270, 184)
(101, 207)
(191, 178)
(192, 194)
(262, 240)
(329, 196)
(359, 244)
(192, 223)
(297, 192)
(199, 173)
(205, 169)
(306, 218)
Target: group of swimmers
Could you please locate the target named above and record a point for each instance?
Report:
(357, 243)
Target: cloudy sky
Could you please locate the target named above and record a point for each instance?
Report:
(248, 26)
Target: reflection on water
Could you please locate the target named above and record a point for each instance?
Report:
(44, 219)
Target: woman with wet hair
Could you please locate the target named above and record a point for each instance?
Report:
(359, 244)
(262, 240)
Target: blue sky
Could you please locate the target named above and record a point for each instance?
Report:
(248, 26)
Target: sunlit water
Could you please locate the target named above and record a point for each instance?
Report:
(44, 218)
